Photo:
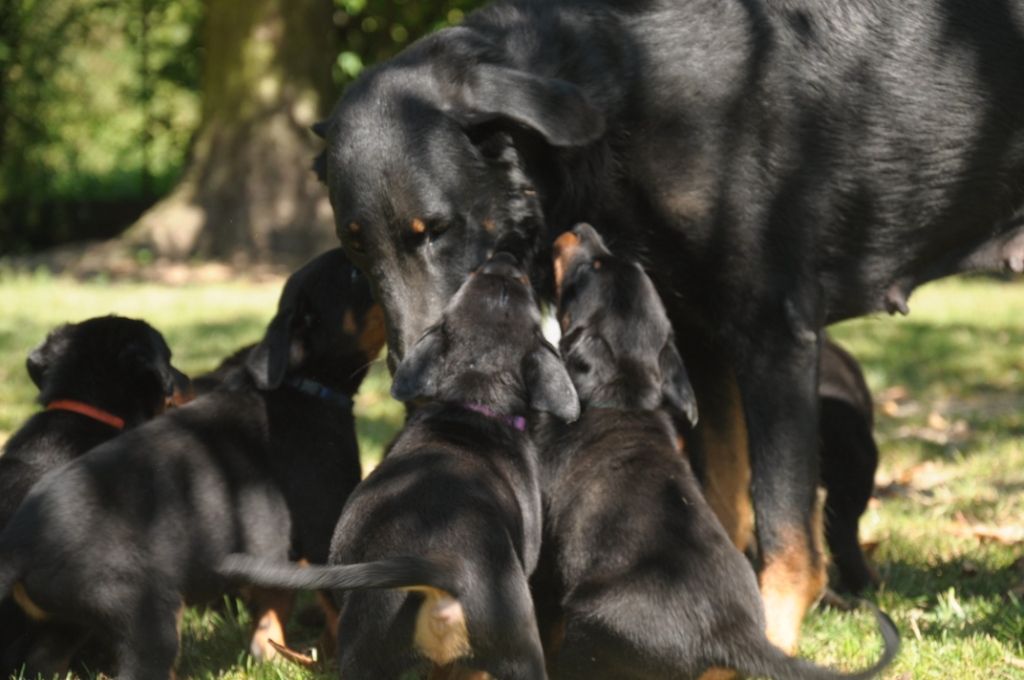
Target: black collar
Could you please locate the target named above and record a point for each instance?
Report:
(315, 389)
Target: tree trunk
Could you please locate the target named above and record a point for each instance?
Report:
(248, 194)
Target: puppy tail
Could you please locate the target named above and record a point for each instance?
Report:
(400, 573)
(764, 659)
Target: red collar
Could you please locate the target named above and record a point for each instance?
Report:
(86, 410)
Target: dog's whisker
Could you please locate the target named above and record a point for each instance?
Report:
(367, 365)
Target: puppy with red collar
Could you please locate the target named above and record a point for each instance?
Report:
(638, 580)
(96, 378)
(114, 543)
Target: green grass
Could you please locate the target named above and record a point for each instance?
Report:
(948, 381)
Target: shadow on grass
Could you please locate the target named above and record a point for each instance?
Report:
(949, 358)
(969, 577)
(958, 598)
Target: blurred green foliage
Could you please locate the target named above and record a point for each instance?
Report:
(373, 30)
(99, 100)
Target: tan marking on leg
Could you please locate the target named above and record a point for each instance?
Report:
(31, 609)
(271, 611)
(329, 638)
(791, 581)
(719, 674)
(441, 633)
(728, 471)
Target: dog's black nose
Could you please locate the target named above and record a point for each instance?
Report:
(502, 264)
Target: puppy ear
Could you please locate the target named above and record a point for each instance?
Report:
(417, 375)
(143, 365)
(42, 357)
(268, 361)
(549, 385)
(675, 383)
(159, 360)
(555, 108)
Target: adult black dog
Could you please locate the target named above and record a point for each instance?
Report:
(648, 583)
(114, 541)
(453, 511)
(777, 165)
(95, 378)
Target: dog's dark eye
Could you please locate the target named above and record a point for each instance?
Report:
(435, 228)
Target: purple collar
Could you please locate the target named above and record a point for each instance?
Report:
(517, 422)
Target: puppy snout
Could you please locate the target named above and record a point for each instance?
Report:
(502, 264)
(182, 391)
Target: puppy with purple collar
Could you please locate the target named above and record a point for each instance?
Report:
(434, 549)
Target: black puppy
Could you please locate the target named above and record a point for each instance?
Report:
(116, 541)
(453, 512)
(849, 459)
(95, 379)
(650, 586)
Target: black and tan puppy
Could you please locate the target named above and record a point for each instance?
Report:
(648, 583)
(116, 541)
(849, 459)
(453, 512)
(96, 378)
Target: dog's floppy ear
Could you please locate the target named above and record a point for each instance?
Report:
(42, 357)
(549, 385)
(268, 361)
(555, 108)
(418, 373)
(172, 380)
(145, 366)
(675, 383)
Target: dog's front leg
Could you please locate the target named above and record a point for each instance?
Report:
(271, 610)
(778, 378)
